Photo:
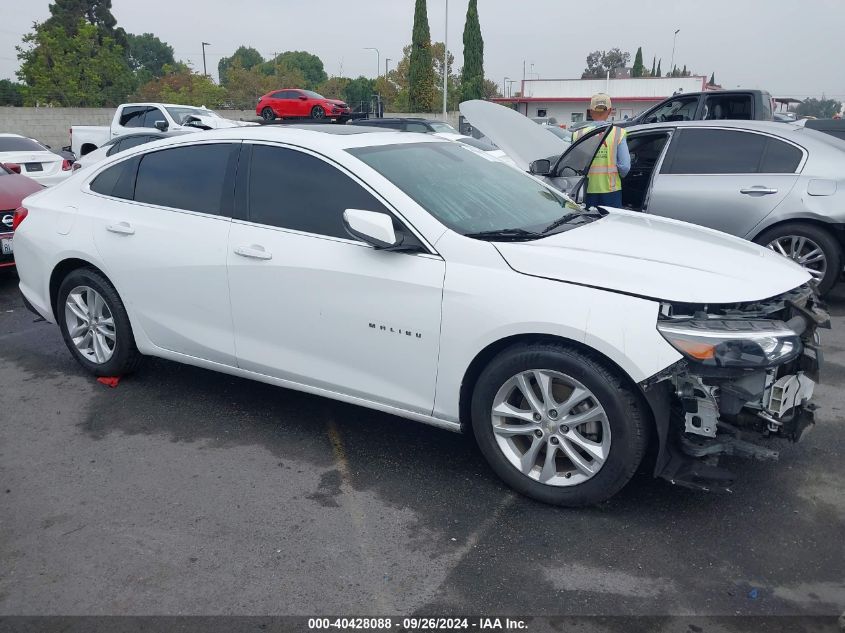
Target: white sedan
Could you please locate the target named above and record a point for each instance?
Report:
(33, 159)
(416, 276)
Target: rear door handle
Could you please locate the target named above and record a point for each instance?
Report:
(253, 251)
(121, 228)
(758, 191)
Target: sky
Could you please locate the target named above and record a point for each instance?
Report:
(789, 48)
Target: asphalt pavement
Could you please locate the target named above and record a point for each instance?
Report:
(184, 491)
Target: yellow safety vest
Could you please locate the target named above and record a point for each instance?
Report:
(603, 176)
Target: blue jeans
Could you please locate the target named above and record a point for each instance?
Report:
(612, 199)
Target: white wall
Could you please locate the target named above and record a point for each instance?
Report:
(563, 110)
(655, 87)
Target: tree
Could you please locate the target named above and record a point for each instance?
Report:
(67, 14)
(333, 87)
(659, 72)
(360, 90)
(819, 108)
(599, 63)
(308, 65)
(638, 70)
(79, 69)
(180, 84)
(244, 86)
(654, 66)
(11, 93)
(454, 80)
(472, 74)
(490, 90)
(282, 75)
(245, 56)
(421, 71)
(148, 55)
(712, 81)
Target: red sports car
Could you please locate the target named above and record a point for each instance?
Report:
(304, 104)
(13, 189)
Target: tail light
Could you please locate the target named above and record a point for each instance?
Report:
(20, 216)
(66, 165)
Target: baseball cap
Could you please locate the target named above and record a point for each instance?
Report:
(601, 101)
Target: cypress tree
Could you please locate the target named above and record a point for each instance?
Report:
(421, 72)
(654, 66)
(472, 74)
(713, 79)
(638, 70)
(659, 72)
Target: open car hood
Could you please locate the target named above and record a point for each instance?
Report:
(517, 135)
(657, 258)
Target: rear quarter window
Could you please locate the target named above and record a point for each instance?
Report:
(117, 181)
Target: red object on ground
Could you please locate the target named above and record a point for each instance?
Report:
(109, 381)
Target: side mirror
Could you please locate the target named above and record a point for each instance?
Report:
(540, 167)
(161, 126)
(303, 98)
(14, 167)
(374, 228)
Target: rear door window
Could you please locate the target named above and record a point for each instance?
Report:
(133, 116)
(780, 158)
(728, 107)
(193, 178)
(706, 151)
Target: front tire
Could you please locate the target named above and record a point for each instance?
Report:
(814, 248)
(94, 324)
(317, 112)
(267, 114)
(557, 425)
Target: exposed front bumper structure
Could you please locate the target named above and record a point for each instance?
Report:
(704, 412)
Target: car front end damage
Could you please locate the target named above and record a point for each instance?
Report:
(747, 378)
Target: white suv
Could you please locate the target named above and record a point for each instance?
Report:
(419, 277)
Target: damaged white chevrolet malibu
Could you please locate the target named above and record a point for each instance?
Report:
(423, 278)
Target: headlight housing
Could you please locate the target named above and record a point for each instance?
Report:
(741, 343)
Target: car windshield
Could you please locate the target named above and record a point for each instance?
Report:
(437, 126)
(312, 95)
(19, 144)
(468, 192)
(180, 112)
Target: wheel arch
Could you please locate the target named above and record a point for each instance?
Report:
(62, 270)
(483, 358)
(836, 230)
(87, 148)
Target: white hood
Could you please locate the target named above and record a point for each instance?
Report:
(657, 258)
(517, 135)
(212, 122)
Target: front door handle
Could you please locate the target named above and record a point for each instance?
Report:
(758, 191)
(253, 251)
(121, 228)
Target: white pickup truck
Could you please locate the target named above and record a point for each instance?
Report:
(138, 117)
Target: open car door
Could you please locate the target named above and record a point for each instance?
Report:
(537, 151)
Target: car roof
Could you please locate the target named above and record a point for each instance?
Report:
(773, 127)
(326, 136)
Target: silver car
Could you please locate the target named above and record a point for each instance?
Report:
(777, 184)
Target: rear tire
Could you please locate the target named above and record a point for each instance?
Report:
(88, 308)
(267, 114)
(800, 241)
(616, 430)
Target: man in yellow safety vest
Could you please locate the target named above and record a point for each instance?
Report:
(612, 161)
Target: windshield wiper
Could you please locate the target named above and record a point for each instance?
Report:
(571, 217)
(515, 235)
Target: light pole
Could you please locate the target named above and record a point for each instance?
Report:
(511, 82)
(446, 61)
(674, 41)
(378, 59)
(505, 87)
(204, 71)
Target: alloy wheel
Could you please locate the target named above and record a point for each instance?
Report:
(318, 113)
(805, 252)
(551, 427)
(90, 324)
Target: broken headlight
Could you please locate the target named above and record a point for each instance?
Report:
(733, 342)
